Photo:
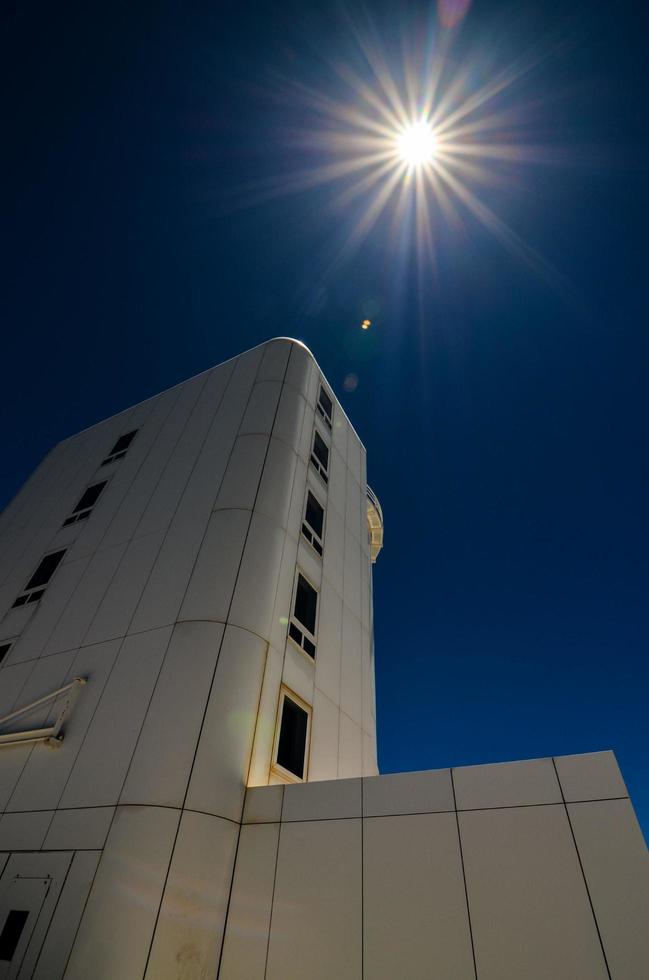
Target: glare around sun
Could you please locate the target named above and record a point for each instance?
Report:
(417, 143)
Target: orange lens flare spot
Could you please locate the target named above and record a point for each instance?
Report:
(365, 325)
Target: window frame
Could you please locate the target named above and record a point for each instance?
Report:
(326, 416)
(114, 455)
(321, 470)
(285, 774)
(83, 513)
(30, 595)
(308, 532)
(305, 632)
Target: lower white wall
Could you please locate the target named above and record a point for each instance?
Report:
(532, 870)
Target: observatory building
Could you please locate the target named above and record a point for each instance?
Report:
(188, 777)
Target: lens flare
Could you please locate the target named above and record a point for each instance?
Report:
(417, 143)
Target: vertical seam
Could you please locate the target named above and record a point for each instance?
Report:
(581, 868)
(466, 890)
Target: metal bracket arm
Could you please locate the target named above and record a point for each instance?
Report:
(52, 734)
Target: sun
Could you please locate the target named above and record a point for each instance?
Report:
(417, 143)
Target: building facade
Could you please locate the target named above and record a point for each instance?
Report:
(188, 774)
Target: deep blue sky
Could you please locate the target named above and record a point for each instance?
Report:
(505, 419)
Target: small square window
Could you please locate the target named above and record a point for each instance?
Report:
(320, 456)
(88, 500)
(313, 524)
(41, 577)
(119, 449)
(325, 406)
(292, 736)
(11, 933)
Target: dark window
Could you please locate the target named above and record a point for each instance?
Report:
(120, 447)
(11, 933)
(123, 443)
(88, 500)
(314, 514)
(325, 406)
(320, 455)
(291, 747)
(90, 497)
(313, 523)
(306, 603)
(4, 650)
(45, 570)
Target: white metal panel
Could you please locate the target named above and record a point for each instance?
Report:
(290, 417)
(328, 800)
(350, 667)
(263, 804)
(298, 372)
(506, 784)
(530, 913)
(63, 927)
(210, 589)
(246, 937)
(103, 760)
(284, 594)
(189, 931)
(44, 777)
(254, 594)
(337, 489)
(241, 480)
(353, 558)
(126, 893)
(408, 792)
(340, 432)
(334, 544)
(123, 594)
(299, 672)
(325, 729)
(354, 455)
(327, 668)
(274, 360)
(350, 758)
(170, 420)
(266, 719)
(220, 771)
(24, 831)
(83, 828)
(298, 498)
(167, 495)
(316, 928)
(161, 765)
(353, 510)
(415, 921)
(370, 765)
(71, 628)
(614, 858)
(276, 484)
(595, 776)
(261, 408)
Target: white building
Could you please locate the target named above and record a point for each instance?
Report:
(186, 618)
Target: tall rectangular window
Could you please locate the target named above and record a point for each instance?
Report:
(119, 449)
(88, 500)
(302, 627)
(320, 456)
(313, 523)
(39, 580)
(292, 736)
(325, 406)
